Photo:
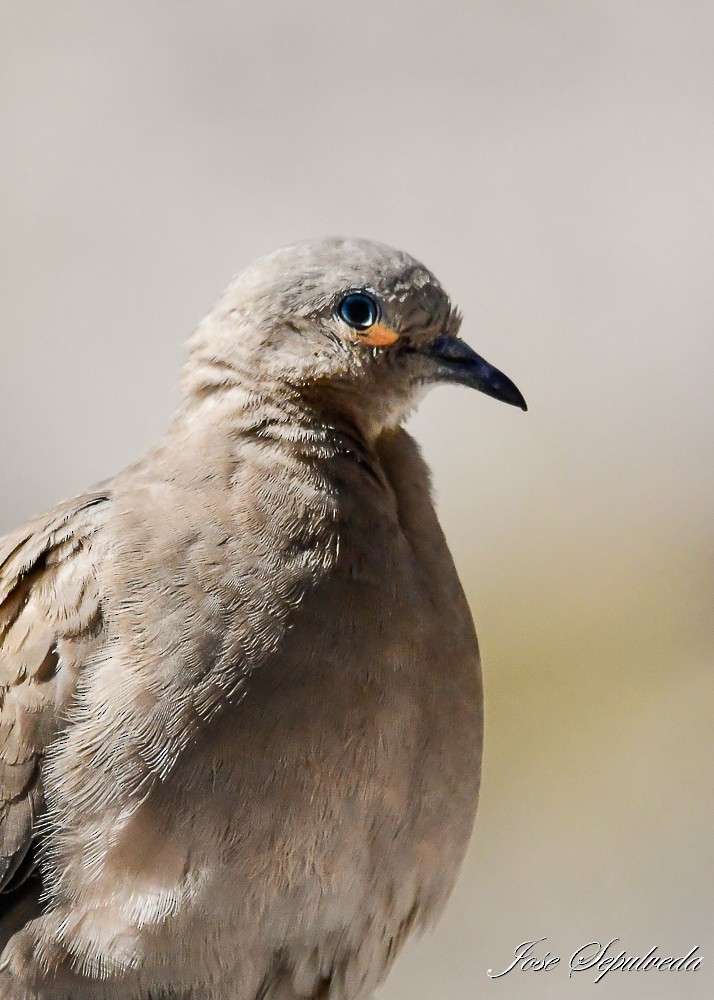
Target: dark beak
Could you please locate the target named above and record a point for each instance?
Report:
(458, 363)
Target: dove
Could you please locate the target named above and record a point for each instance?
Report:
(240, 691)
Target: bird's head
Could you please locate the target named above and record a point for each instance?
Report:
(354, 324)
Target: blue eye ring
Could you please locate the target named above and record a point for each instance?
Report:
(358, 310)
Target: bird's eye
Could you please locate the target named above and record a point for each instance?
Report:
(358, 310)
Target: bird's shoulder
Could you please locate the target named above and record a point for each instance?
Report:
(50, 609)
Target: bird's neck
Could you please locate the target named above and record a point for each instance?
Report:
(308, 426)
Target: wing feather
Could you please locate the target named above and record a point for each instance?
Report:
(50, 610)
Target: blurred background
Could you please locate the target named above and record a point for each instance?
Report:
(553, 163)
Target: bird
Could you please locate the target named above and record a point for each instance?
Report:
(240, 690)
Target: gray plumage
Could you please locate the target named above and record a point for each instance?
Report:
(240, 695)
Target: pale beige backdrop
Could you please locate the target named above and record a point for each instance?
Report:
(553, 162)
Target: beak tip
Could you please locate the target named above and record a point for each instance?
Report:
(501, 387)
(508, 392)
(462, 365)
